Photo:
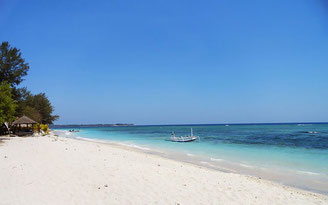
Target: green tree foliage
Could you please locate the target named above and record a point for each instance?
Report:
(20, 95)
(41, 104)
(36, 107)
(32, 113)
(12, 65)
(7, 104)
(19, 101)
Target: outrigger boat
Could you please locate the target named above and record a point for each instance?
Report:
(184, 138)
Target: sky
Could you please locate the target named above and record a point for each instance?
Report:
(174, 61)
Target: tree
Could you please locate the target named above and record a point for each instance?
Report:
(20, 101)
(12, 65)
(7, 104)
(32, 113)
(20, 95)
(42, 105)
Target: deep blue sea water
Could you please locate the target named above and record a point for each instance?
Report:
(293, 154)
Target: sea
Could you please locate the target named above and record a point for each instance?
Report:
(291, 154)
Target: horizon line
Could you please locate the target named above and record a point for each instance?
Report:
(194, 124)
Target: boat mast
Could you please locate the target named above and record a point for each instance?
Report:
(191, 132)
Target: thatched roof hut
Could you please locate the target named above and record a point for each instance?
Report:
(23, 126)
(24, 120)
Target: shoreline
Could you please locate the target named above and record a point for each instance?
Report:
(203, 161)
(130, 173)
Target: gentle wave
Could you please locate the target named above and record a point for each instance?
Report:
(208, 164)
(216, 159)
(133, 145)
(308, 173)
(105, 141)
(246, 165)
(91, 140)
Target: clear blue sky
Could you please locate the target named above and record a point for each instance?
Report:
(168, 62)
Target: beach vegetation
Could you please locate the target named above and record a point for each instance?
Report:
(45, 128)
(17, 101)
(37, 127)
(32, 113)
(41, 127)
(20, 95)
(7, 104)
(12, 66)
(37, 107)
(41, 108)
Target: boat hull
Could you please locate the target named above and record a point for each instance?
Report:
(184, 139)
(190, 140)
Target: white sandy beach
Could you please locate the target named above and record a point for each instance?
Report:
(50, 170)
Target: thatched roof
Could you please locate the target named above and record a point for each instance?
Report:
(24, 120)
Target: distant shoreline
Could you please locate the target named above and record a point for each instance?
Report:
(92, 125)
(127, 125)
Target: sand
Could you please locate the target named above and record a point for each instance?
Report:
(51, 170)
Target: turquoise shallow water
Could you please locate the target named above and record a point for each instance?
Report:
(293, 154)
